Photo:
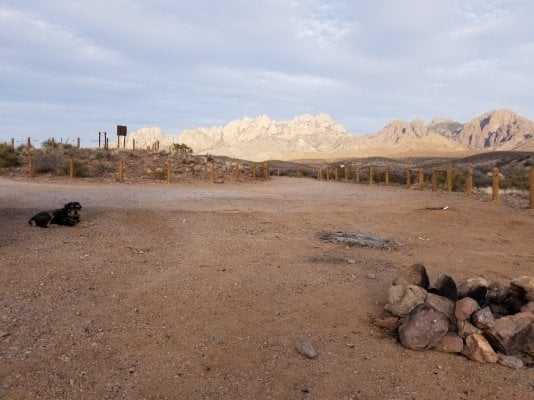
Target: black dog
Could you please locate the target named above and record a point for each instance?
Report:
(69, 215)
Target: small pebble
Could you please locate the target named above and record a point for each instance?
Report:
(306, 349)
(371, 275)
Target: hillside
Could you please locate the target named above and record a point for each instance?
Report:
(319, 136)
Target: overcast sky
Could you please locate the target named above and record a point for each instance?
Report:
(69, 68)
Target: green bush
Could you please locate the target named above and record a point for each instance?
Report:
(81, 168)
(8, 156)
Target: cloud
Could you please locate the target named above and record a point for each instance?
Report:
(78, 66)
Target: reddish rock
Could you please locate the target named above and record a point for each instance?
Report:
(529, 307)
(423, 328)
(510, 335)
(413, 275)
(450, 343)
(478, 349)
(465, 308)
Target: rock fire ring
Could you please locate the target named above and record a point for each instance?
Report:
(357, 239)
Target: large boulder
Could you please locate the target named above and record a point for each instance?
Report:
(423, 328)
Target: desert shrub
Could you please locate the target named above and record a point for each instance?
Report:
(8, 156)
(159, 173)
(105, 167)
(81, 168)
(49, 144)
(103, 155)
(180, 148)
(48, 162)
(517, 181)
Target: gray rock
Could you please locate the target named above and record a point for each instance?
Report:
(402, 299)
(478, 349)
(424, 328)
(306, 348)
(413, 275)
(509, 361)
(498, 293)
(510, 335)
(465, 308)
(483, 318)
(441, 304)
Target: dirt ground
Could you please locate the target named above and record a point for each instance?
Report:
(201, 291)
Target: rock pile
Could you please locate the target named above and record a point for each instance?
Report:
(486, 322)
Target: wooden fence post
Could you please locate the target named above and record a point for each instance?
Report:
(169, 171)
(266, 174)
(13, 143)
(133, 144)
(531, 188)
(320, 174)
(336, 174)
(387, 176)
(346, 174)
(213, 172)
(357, 174)
(469, 182)
(327, 173)
(421, 178)
(449, 178)
(254, 170)
(408, 178)
(29, 142)
(434, 180)
(495, 173)
(71, 168)
(370, 175)
(78, 143)
(30, 165)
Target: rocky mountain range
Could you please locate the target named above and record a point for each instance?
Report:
(319, 136)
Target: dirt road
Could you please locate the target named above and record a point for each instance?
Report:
(201, 292)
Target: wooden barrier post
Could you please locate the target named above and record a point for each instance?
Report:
(53, 142)
(13, 143)
(78, 143)
(408, 178)
(370, 175)
(29, 142)
(213, 172)
(357, 175)
(327, 173)
(387, 176)
(449, 178)
(133, 144)
(421, 178)
(469, 182)
(346, 174)
(495, 173)
(336, 174)
(71, 168)
(169, 171)
(278, 171)
(266, 174)
(254, 170)
(434, 180)
(30, 166)
(531, 188)
(237, 172)
(320, 174)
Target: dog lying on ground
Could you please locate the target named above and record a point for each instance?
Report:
(69, 215)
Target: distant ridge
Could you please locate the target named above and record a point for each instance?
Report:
(319, 136)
